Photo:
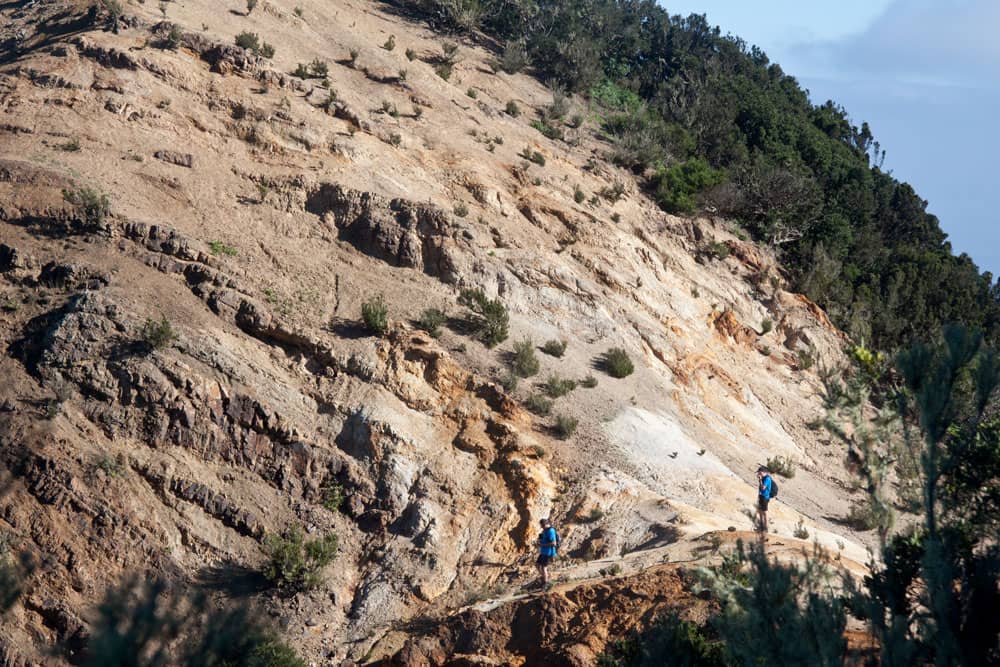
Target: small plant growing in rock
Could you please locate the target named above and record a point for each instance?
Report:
(220, 248)
(418, 111)
(565, 427)
(800, 531)
(401, 74)
(158, 334)
(765, 326)
(532, 156)
(556, 386)
(92, 206)
(375, 315)
(294, 564)
(613, 192)
(806, 360)
(411, 55)
(248, 40)
(617, 363)
(298, 12)
(431, 321)
(109, 465)
(538, 404)
(509, 382)
(524, 363)
(173, 39)
(251, 5)
(354, 53)
(395, 139)
(71, 146)
(781, 465)
(492, 320)
(461, 210)
(616, 217)
(554, 348)
(450, 50)
(390, 43)
(512, 109)
(332, 495)
(578, 195)
(301, 71)
(588, 382)
(471, 92)
(163, 8)
(575, 121)
(443, 70)
(319, 69)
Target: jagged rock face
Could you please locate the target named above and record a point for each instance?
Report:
(255, 211)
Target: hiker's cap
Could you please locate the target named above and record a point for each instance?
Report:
(763, 469)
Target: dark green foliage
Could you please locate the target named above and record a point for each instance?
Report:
(509, 382)
(677, 187)
(565, 427)
(491, 320)
(588, 382)
(172, 40)
(555, 348)
(524, 363)
(295, 563)
(678, 643)
(158, 334)
(10, 578)
(301, 71)
(512, 109)
(375, 315)
(781, 465)
(461, 210)
(617, 363)
(556, 386)
(91, 205)
(538, 404)
(550, 131)
(734, 130)
(390, 43)
(265, 50)
(532, 156)
(766, 325)
(443, 70)
(578, 195)
(411, 54)
(332, 495)
(431, 321)
(152, 624)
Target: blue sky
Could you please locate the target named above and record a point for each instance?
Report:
(925, 74)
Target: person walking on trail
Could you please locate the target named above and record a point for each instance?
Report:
(764, 495)
(548, 544)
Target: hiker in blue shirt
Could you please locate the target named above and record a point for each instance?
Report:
(763, 496)
(548, 543)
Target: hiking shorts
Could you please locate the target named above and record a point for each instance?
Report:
(762, 503)
(543, 560)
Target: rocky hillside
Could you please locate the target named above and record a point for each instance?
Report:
(253, 212)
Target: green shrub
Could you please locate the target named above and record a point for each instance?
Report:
(509, 382)
(471, 92)
(532, 156)
(220, 248)
(550, 131)
(443, 70)
(411, 54)
(294, 563)
(390, 43)
(158, 334)
(555, 348)
(806, 360)
(556, 386)
(395, 139)
(863, 516)
(617, 363)
(588, 382)
(71, 146)
(491, 320)
(251, 5)
(298, 12)
(616, 217)
(538, 404)
(578, 195)
(781, 465)
(513, 59)
(575, 121)
(800, 531)
(512, 109)
(266, 50)
(248, 40)
(92, 206)
(461, 210)
(677, 186)
(565, 426)
(301, 71)
(375, 315)
(524, 363)
(766, 325)
(613, 192)
(332, 495)
(431, 320)
(353, 53)
(717, 250)
(319, 69)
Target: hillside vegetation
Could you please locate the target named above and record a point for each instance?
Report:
(711, 121)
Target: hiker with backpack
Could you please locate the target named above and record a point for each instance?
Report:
(767, 488)
(548, 544)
